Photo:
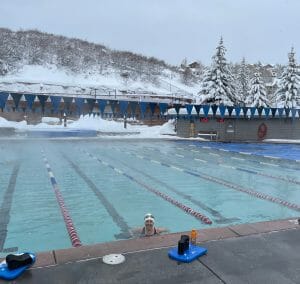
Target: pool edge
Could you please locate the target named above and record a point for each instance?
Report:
(87, 252)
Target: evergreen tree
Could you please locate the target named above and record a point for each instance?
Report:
(218, 83)
(257, 95)
(288, 93)
(243, 81)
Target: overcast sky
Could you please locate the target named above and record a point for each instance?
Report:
(260, 30)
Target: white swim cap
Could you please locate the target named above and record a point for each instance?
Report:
(149, 216)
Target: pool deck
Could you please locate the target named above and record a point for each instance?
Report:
(265, 252)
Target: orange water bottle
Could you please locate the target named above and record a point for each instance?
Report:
(193, 237)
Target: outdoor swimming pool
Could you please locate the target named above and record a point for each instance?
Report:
(55, 194)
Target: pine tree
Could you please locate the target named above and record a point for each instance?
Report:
(218, 83)
(288, 93)
(243, 81)
(257, 95)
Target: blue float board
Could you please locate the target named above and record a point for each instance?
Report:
(10, 274)
(191, 254)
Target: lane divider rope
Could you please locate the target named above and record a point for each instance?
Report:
(251, 192)
(75, 240)
(183, 207)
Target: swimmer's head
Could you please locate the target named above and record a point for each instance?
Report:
(149, 219)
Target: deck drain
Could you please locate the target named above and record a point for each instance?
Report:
(113, 259)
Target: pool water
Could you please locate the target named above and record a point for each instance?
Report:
(107, 186)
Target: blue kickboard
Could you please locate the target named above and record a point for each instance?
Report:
(189, 255)
(10, 274)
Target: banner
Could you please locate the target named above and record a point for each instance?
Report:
(29, 100)
(3, 99)
(55, 100)
(189, 109)
(16, 99)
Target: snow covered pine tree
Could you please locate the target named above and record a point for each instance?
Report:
(288, 93)
(257, 95)
(218, 86)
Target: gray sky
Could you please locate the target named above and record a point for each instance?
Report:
(260, 30)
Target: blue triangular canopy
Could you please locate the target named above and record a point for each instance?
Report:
(252, 111)
(143, 108)
(230, 110)
(79, 104)
(163, 108)
(267, 111)
(214, 109)
(3, 99)
(280, 111)
(245, 110)
(29, 100)
(206, 109)
(16, 99)
(91, 104)
(152, 107)
(294, 111)
(237, 111)
(55, 100)
(177, 108)
(222, 109)
(113, 104)
(133, 106)
(43, 99)
(260, 110)
(197, 108)
(287, 111)
(273, 111)
(123, 107)
(189, 109)
(102, 105)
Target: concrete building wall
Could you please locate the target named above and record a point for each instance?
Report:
(239, 129)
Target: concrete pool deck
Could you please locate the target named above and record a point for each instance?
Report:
(265, 252)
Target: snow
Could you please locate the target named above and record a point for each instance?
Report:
(50, 79)
(98, 124)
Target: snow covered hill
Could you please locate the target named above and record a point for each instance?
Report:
(32, 61)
